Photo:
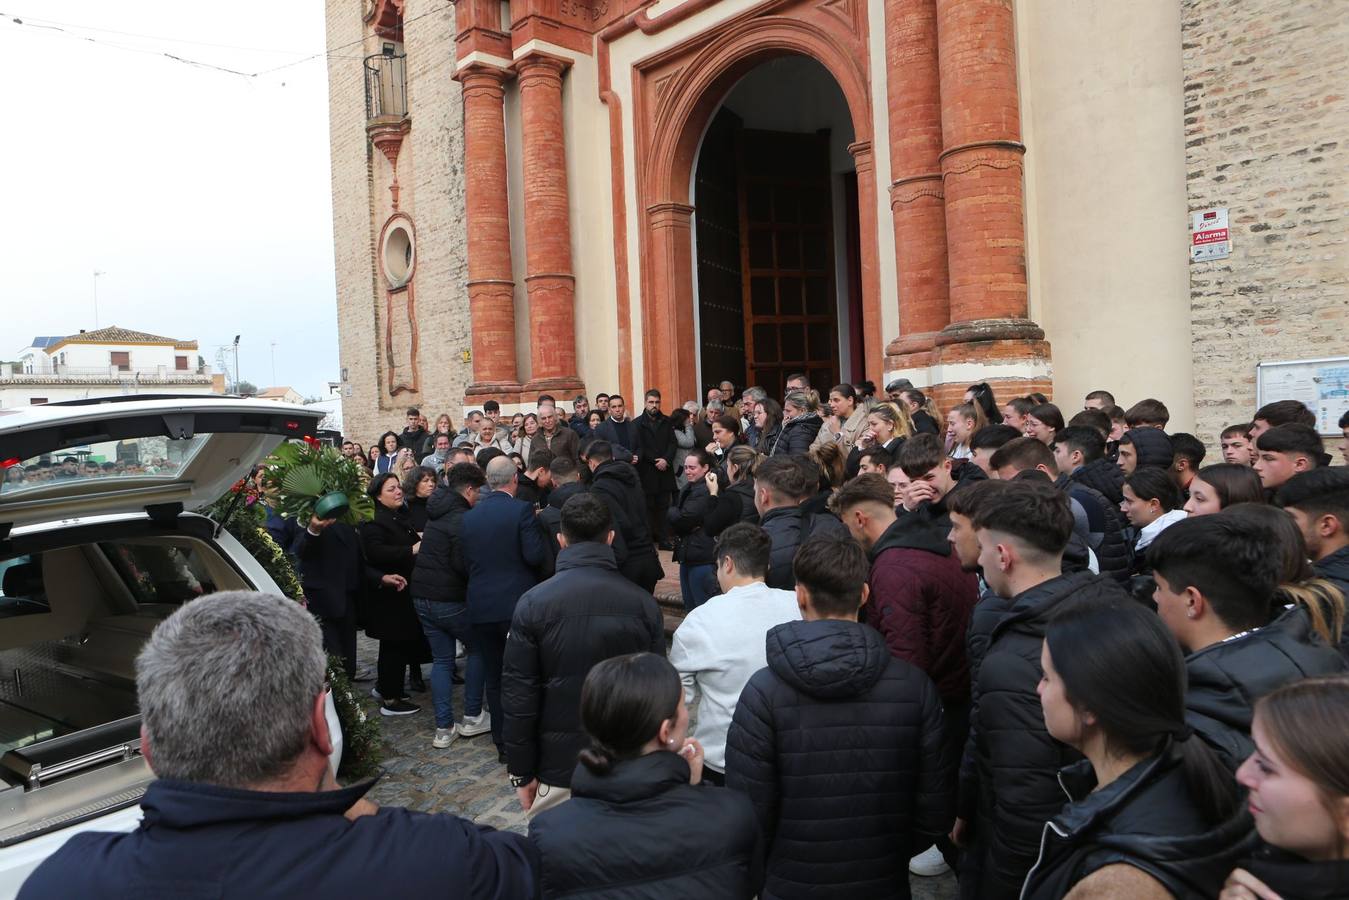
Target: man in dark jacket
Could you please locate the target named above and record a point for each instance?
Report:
(1022, 531)
(1216, 579)
(781, 483)
(246, 805)
(838, 744)
(1097, 526)
(620, 430)
(440, 597)
(585, 613)
(615, 482)
(505, 548)
(1318, 501)
(413, 435)
(655, 464)
(334, 575)
(1080, 451)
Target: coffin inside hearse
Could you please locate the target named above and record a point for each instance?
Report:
(73, 618)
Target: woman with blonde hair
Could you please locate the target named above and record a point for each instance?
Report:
(444, 425)
(888, 427)
(922, 410)
(801, 423)
(961, 424)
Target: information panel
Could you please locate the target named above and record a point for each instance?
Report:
(1321, 384)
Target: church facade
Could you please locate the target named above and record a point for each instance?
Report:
(574, 196)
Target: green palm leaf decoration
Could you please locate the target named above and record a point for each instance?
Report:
(301, 474)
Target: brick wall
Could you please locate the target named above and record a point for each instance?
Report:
(1267, 135)
(430, 170)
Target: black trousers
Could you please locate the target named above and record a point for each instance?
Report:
(339, 639)
(657, 507)
(492, 645)
(394, 658)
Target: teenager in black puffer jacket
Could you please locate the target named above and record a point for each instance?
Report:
(639, 824)
(839, 745)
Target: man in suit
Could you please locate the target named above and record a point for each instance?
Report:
(506, 548)
(655, 464)
(333, 575)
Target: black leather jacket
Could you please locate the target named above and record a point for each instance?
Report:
(1146, 818)
(1227, 678)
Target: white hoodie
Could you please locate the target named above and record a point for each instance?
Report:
(1156, 527)
(716, 650)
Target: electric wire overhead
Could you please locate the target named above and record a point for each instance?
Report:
(73, 31)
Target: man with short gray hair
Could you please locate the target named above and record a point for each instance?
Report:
(506, 549)
(246, 805)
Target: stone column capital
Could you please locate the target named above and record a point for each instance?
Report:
(478, 77)
(537, 66)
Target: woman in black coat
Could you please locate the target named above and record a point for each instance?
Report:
(801, 423)
(391, 544)
(696, 552)
(1153, 811)
(888, 427)
(418, 487)
(1298, 778)
(639, 824)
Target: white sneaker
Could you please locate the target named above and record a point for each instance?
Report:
(471, 726)
(444, 737)
(374, 692)
(929, 863)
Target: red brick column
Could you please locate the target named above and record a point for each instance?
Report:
(989, 337)
(551, 286)
(981, 169)
(915, 117)
(490, 287)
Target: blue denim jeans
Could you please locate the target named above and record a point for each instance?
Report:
(698, 584)
(444, 623)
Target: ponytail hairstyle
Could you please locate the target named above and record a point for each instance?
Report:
(828, 457)
(896, 415)
(1154, 483)
(623, 702)
(973, 411)
(1305, 721)
(746, 461)
(1298, 583)
(982, 396)
(924, 402)
(1121, 663)
(1232, 483)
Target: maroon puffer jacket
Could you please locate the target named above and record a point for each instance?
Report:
(921, 601)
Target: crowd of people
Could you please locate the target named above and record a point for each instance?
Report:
(1058, 655)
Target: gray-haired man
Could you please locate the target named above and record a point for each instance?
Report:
(246, 805)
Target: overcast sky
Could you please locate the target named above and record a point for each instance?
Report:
(204, 196)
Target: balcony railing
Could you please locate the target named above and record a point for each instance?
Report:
(112, 373)
(386, 90)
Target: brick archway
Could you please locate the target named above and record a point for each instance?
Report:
(677, 93)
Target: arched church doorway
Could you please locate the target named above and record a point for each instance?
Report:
(777, 248)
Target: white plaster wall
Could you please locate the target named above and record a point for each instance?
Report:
(1107, 239)
(143, 356)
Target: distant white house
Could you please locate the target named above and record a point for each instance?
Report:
(105, 362)
(281, 395)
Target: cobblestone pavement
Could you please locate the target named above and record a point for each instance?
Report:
(466, 778)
